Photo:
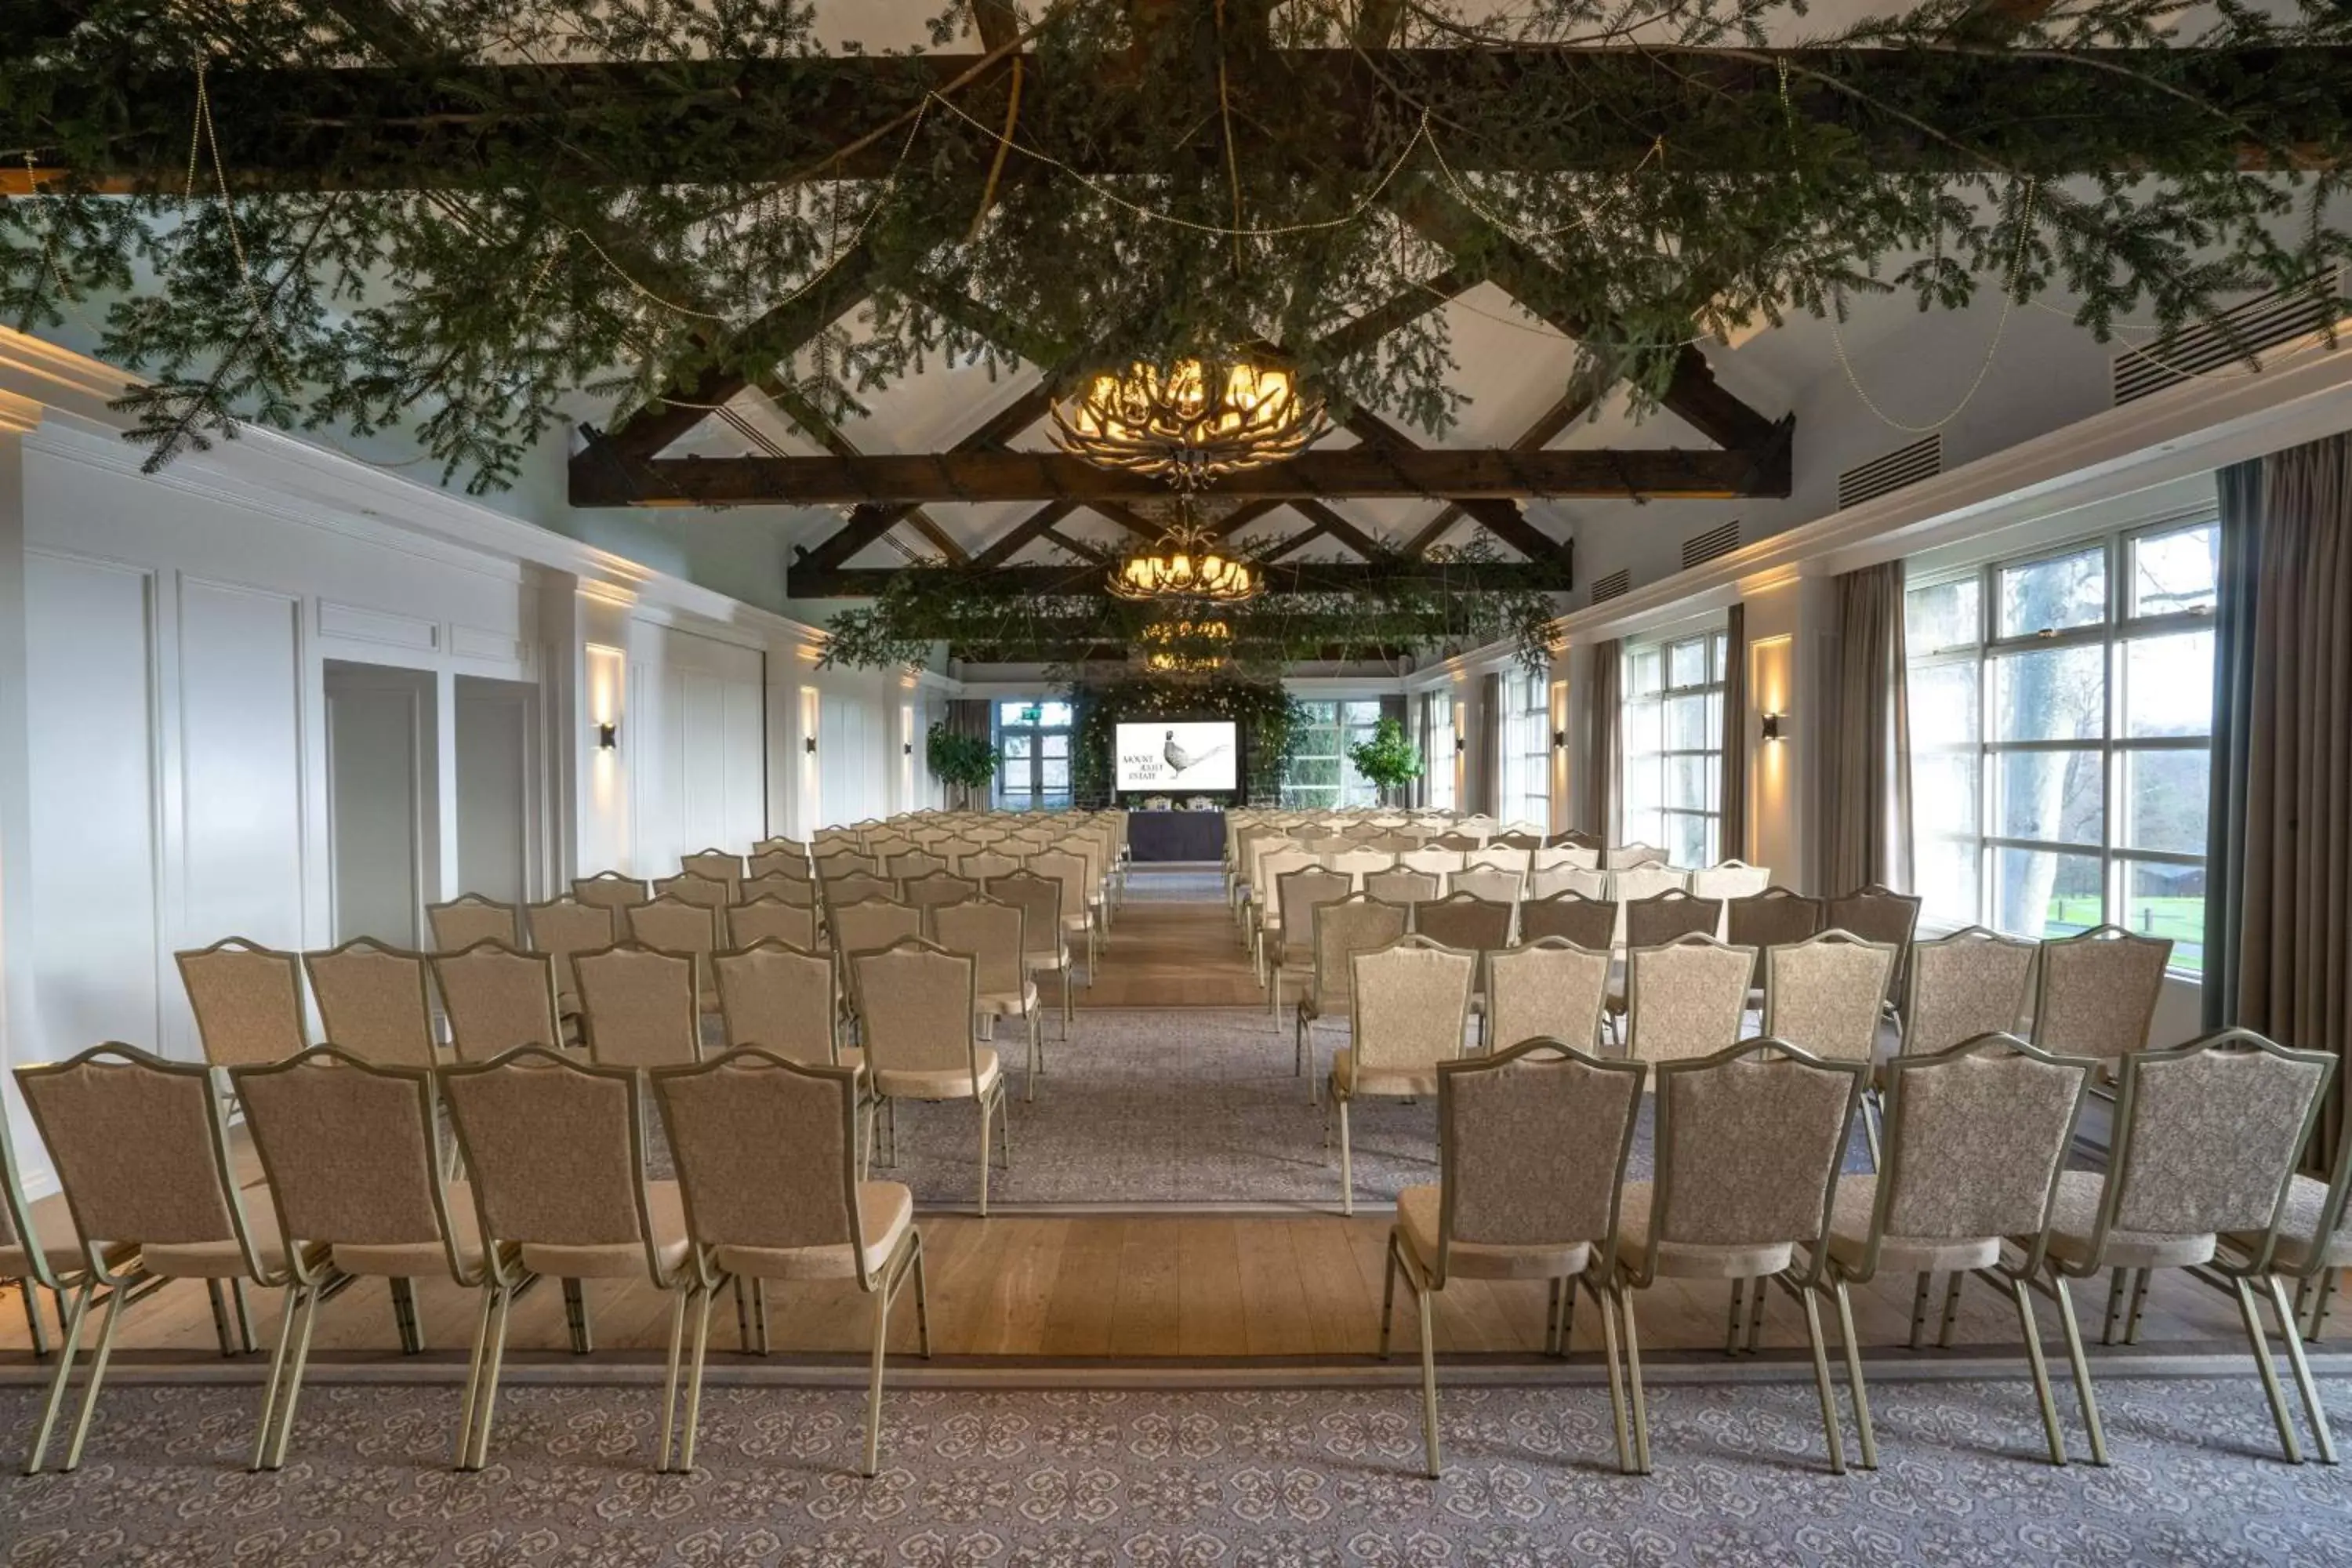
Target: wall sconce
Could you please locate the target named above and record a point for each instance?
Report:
(1771, 727)
(1560, 740)
(1457, 743)
(909, 749)
(809, 745)
(608, 735)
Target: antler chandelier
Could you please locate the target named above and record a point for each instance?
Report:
(1189, 422)
(1184, 562)
(1185, 647)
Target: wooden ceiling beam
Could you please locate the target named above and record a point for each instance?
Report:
(1498, 516)
(886, 479)
(1031, 527)
(1326, 520)
(825, 433)
(1574, 403)
(1281, 577)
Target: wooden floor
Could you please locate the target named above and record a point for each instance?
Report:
(1138, 1286)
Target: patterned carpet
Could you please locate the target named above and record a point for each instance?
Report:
(1223, 1479)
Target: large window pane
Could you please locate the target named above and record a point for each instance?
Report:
(1944, 793)
(2167, 902)
(2056, 796)
(2055, 593)
(1686, 784)
(1687, 726)
(2169, 685)
(1690, 840)
(1944, 706)
(1947, 880)
(2050, 694)
(2165, 800)
(1940, 616)
(2038, 893)
(2175, 572)
(1687, 662)
(1645, 672)
(1016, 748)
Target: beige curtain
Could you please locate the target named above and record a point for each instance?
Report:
(1603, 740)
(1865, 742)
(1731, 824)
(1487, 748)
(2291, 601)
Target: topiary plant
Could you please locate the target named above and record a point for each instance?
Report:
(1390, 759)
(966, 761)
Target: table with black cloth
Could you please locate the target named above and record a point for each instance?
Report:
(1176, 835)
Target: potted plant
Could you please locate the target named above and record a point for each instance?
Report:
(1390, 760)
(966, 761)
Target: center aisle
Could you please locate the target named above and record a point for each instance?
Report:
(1174, 945)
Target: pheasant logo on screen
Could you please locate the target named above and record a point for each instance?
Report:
(1181, 760)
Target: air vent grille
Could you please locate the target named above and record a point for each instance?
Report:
(1611, 585)
(1922, 458)
(1706, 546)
(2263, 321)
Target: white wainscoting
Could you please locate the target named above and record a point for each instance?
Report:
(699, 778)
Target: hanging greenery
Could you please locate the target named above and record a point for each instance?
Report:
(1268, 719)
(476, 219)
(1421, 609)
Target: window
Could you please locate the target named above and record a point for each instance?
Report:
(1526, 795)
(1318, 775)
(1673, 792)
(1437, 749)
(1033, 739)
(2061, 716)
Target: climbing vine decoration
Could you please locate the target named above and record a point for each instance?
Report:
(476, 220)
(1268, 720)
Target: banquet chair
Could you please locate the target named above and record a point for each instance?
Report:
(1503, 854)
(1548, 988)
(1626, 857)
(1493, 883)
(1459, 842)
(372, 1001)
(1044, 949)
(2206, 1142)
(1271, 861)
(1408, 1010)
(711, 893)
(838, 863)
(856, 888)
(471, 918)
(1077, 909)
(766, 1155)
(2097, 993)
(1729, 879)
(935, 889)
(768, 919)
(247, 1000)
(1685, 998)
(1976, 1137)
(673, 925)
(351, 1157)
(1565, 857)
(1748, 1144)
(1661, 917)
(1532, 1148)
(611, 890)
(792, 863)
(912, 863)
(640, 1006)
(868, 925)
(1435, 862)
(1773, 917)
(990, 931)
(1399, 885)
(1358, 864)
(1877, 914)
(918, 1003)
(574, 1208)
(564, 928)
(141, 1150)
(984, 866)
(797, 890)
(1551, 881)
(1973, 982)
(1342, 928)
(497, 997)
(43, 1252)
(2313, 1244)
(1585, 921)
(784, 1000)
(717, 865)
(1646, 880)
(1286, 939)
(1822, 994)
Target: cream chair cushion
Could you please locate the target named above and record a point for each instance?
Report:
(218, 1259)
(886, 1210)
(1417, 1219)
(1850, 1238)
(621, 1260)
(1416, 1081)
(1004, 1004)
(2304, 1198)
(2077, 1215)
(940, 1083)
(1689, 1260)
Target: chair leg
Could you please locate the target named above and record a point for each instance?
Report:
(118, 1301)
(1428, 1380)
(2081, 1368)
(241, 1313)
(1951, 1310)
(499, 1313)
(2258, 1343)
(2327, 1295)
(1831, 1431)
(1616, 1372)
(1855, 1388)
(693, 1385)
(1346, 1163)
(678, 1303)
(1388, 1294)
(759, 1314)
(220, 1316)
(1756, 1294)
(36, 1330)
(2138, 1302)
(69, 1324)
(2031, 1328)
(743, 1315)
(873, 1383)
(1004, 1128)
(1633, 1383)
(2118, 1294)
(474, 1384)
(1920, 1310)
(1567, 1315)
(922, 1300)
(294, 1292)
(403, 1317)
(294, 1378)
(1738, 1306)
(2290, 1331)
(575, 1317)
(983, 1156)
(1551, 1318)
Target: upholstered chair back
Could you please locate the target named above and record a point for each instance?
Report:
(641, 1005)
(371, 1002)
(1547, 989)
(497, 998)
(247, 1000)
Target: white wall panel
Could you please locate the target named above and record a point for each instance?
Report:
(376, 727)
(494, 785)
(91, 704)
(699, 778)
(240, 764)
